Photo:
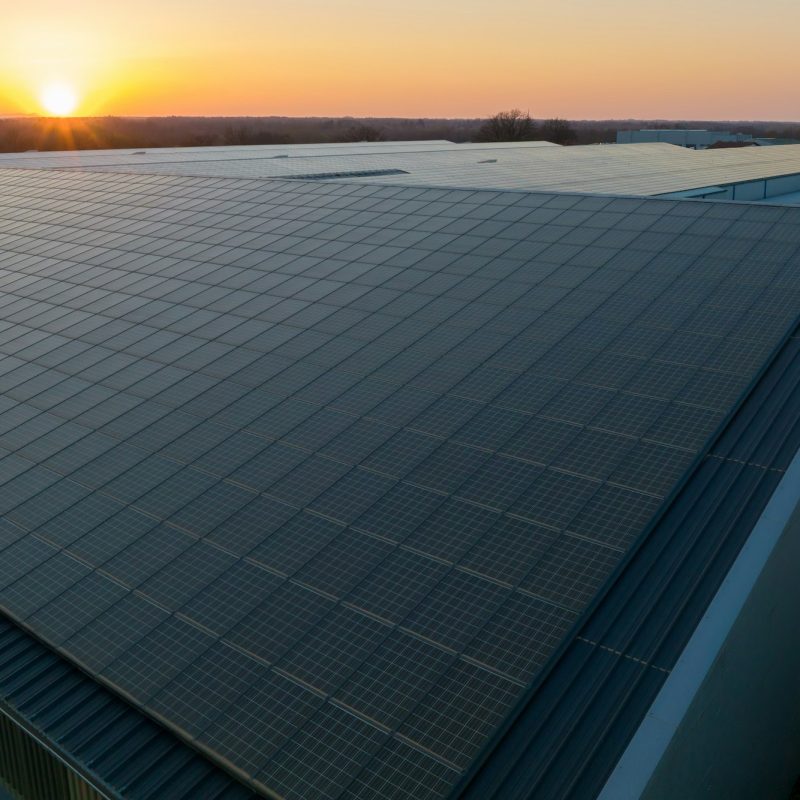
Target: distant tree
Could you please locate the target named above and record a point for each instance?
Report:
(557, 131)
(235, 134)
(507, 126)
(363, 133)
(29, 132)
(251, 134)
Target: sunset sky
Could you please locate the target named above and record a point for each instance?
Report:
(709, 59)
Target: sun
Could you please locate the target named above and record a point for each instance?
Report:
(59, 99)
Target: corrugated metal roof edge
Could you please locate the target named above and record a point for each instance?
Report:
(28, 730)
(644, 757)
(108, 743)
(585, 735)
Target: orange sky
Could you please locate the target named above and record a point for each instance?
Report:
(702, 59)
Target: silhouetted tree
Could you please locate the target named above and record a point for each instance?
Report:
(507, 126)
(363, 133)
(558, 131)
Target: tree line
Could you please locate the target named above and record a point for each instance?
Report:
(18, 134)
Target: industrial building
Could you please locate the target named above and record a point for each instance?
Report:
(694, 139)
(334, 473)
(697, 139)
(654, 170)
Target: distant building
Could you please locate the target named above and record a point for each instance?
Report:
(696, 139)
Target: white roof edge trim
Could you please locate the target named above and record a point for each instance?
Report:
(649, 744)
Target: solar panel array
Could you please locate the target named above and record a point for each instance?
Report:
(654, 168)
(274, 159)
(322, 474)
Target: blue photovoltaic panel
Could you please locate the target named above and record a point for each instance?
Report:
(323, 474)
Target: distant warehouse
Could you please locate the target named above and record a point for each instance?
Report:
(695, 139)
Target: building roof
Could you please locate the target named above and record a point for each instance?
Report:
(324, 477)
(641, 169)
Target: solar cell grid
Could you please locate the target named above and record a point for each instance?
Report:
(373, 486)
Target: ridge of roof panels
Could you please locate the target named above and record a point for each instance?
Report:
(322, 475)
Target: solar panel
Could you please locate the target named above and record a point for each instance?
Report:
(322, 474)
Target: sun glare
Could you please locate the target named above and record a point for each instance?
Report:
(59, 99)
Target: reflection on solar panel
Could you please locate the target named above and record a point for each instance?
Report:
(323, 474)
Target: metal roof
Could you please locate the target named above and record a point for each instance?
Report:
(640, 169)
(323, 476)
(106, 742)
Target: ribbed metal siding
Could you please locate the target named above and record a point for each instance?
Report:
(97, 738)
(32, 773)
